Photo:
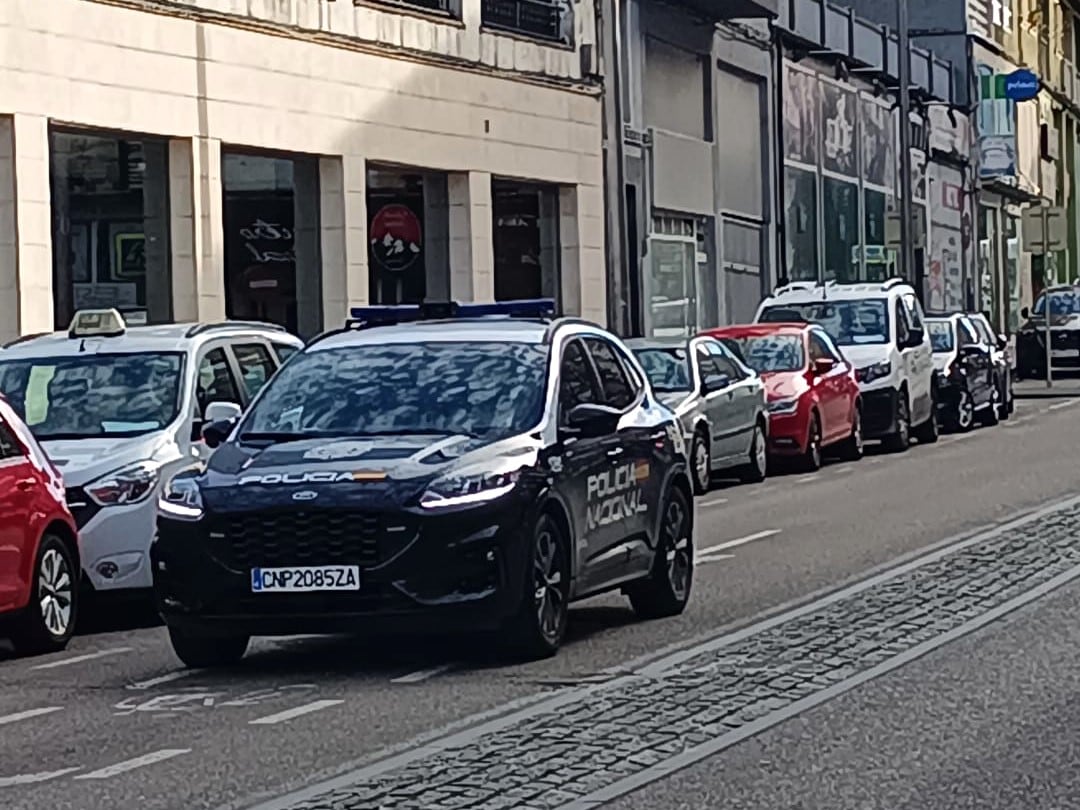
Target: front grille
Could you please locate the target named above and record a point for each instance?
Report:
(319, 537)
(1066, 340)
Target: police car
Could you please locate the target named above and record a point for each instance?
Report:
(119, 409)
(438, 467)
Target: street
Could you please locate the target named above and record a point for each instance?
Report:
(734, 703)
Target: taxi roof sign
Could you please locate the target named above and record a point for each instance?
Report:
(97, 323)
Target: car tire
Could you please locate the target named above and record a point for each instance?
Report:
(811, 458)
(757, 467)
(962, 418)
(48, 622)
(1005, 403)
(540, 626)
(929, 431)
(900, 441)
(852, 448)
(667, 589)
(204, 651)
(701, 462)
(989, 416)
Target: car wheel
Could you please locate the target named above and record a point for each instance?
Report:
(48, 622)
(900, 440)
(204, 651)
(755, 470)
(964, 416)
(539, 628)
(667, 589)
(852, 448)
(1005, 403)
(928, 432)
(811, 460)
(701, 462)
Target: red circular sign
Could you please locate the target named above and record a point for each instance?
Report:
(396, 239)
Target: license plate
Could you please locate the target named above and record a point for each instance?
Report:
(1065, 352)
(304, 579)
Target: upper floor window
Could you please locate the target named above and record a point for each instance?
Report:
(1002, 13)
(543, 19)
(447, 6)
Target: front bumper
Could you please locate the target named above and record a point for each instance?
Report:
(114, 541)
(456, 571)
(1031, 350)
(879, 412)
(788, 433)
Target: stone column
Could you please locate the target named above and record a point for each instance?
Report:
(26, 270)
(209, 229)
(472, 262)
(581, 235)
(182, 192)
(357, 279)
(9, 269)
(307, 239)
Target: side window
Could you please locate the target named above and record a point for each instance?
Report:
(9, 446)
(966, 333)
(902, 322)
(706, 362)
(216, 383)
(915, 313)
(984, 331)
(818, 349)
(618, 393)
(577, 383)
(256, 366)
(284, 351)
(727, 362)
(831, 348)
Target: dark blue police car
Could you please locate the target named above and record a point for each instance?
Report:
(466, 467)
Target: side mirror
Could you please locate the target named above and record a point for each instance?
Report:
(219, 420)
(590, 421)
(1025, 313)
(715, 382)
(823, 365)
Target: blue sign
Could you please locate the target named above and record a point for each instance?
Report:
(1022, 85)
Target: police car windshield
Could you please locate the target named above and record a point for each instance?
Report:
(941, 335)
(86, 396)
(849, 323)
(1062, 302)
(668, 369)
(483, 389)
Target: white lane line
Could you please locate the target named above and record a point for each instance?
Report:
(34, 778)
(705, 559)
(738, 541)
(423, 674)
(289, 714)
(1067, 404)
(712, 502)
(166, 678)
(78, 659)
(137, 762)
(14, 718)
(806, 479)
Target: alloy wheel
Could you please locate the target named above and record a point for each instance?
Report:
(55, 592)
(814, 444)
(550, 602)
(677, 543)
(760, 450)
(965, 411)
(856, 434)
(702, 463)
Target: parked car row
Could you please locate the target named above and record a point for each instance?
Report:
(434, 465)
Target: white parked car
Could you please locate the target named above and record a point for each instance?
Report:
(881, 329)
(119, 409)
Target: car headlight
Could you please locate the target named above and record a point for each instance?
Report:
(181, 499)
(867, 374)
(471, 486)
(125, 486)
(783, 406)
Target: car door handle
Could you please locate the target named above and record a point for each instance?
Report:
(618, 451)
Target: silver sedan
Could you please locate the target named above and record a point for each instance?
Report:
(720, 402)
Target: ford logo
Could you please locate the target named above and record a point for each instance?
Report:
(306, 495)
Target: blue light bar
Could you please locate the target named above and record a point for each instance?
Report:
(539, 308)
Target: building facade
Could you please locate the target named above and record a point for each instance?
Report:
(287, 159)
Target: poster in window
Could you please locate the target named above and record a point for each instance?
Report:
(838, 116)
(128, 251)
(396, 240)
(801, 116)
(878, 144)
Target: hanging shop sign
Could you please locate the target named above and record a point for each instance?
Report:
(395, 237)
(1021, 85)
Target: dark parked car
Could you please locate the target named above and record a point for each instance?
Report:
(1002, 360)
(967, 389)
(1064, 333)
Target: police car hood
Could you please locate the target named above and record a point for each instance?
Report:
(367, 471)
(81, 461)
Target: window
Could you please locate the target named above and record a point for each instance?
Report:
(216, 383)
(706, 363)
(902, 324)
(668, 369)
(941, 336)
(765, 353)
(914, 308)
(9, 447)
(525, 240)
(618, 393)
(284, 351)
(848, 323)
(967, 334)
(801, 225)
(577, 383)
(256, 366)
(841, 221)
(532, 18)
(724, 358)
(830, 347)
(818, 349)
(984, 331)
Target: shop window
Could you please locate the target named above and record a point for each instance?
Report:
(543, 19)
(841, 230)
(408, 235)
(670, 286)
(273, 267)
(880, 261)
(110, 214)
(800, 224)
(525, 240)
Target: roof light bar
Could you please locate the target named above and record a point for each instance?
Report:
(441, 310)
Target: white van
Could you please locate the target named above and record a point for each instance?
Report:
(880, 329)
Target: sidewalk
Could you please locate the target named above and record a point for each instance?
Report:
(1067, 385)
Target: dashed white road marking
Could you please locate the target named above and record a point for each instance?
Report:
(29, 713)
(138, 762)
(423, 674)
(34, 778)
(841, 470)
(298, 711)
(738, 541)
(78, 659)
(806, 479)
(1066, 404)
(712, 502)
(166, 678)
(708, 558)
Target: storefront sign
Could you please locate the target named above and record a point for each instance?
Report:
(395, 235)
(1022, 85)
(996, 123)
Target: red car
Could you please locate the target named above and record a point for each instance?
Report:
(813, 396)
(39, 549)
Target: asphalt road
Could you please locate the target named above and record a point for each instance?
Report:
(115, 721)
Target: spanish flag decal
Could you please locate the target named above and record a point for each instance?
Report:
(641, 471)
(368, 475)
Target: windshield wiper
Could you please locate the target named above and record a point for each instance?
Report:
(271, 437)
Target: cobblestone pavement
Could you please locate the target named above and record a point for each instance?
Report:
(577, 749)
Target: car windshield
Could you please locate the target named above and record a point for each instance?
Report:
(483, 389)
(668, 368)
(1062, 302)
(941, 335)
(849, 323)
(765, 353)
(86, 396)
